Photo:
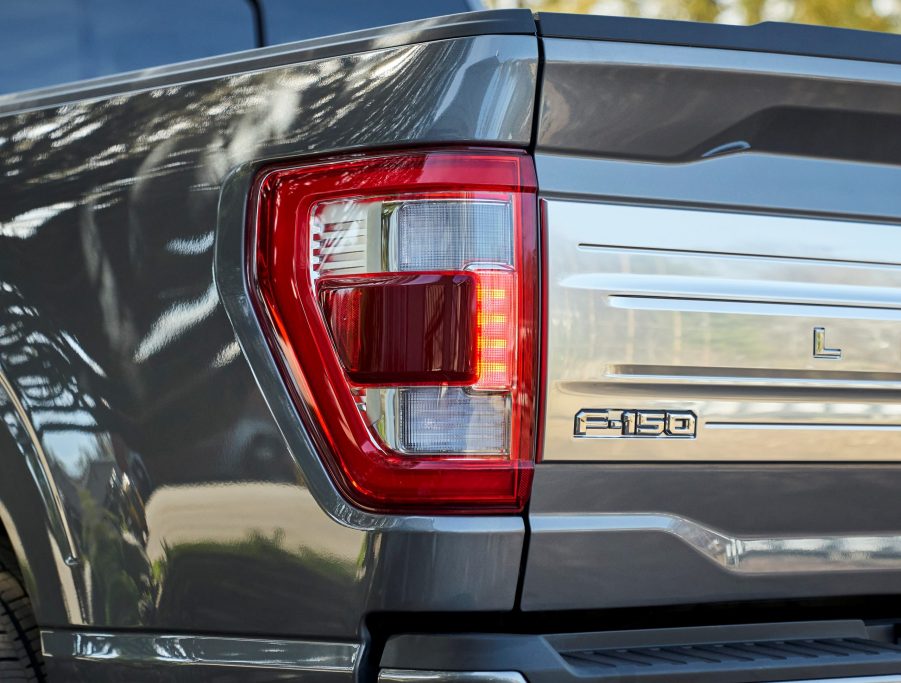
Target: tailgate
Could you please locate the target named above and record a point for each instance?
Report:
(723, 284)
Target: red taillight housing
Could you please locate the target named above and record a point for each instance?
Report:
(399, 293)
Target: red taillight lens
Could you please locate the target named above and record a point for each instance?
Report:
(398, 292)
(403, 329)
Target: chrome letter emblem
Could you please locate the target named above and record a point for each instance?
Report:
(606, 424)
(819, 346)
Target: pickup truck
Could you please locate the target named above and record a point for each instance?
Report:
(489, 348)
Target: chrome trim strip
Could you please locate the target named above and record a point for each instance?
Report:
(689, 303)
(254, 653)
(827, 426)
(590, 246)
(593, 226)
(752, 555)
(411, 676)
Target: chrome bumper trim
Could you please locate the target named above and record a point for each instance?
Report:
(259, 653)
(411, 676)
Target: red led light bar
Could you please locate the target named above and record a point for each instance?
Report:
(497, 325)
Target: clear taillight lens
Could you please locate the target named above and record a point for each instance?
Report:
(399, 294)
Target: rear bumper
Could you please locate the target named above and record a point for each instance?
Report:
(805, 651)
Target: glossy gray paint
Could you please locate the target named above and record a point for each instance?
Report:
(671, 103)
(186, 509)
(609, 534)
(495, 22)
(155, 476)
(759, 183)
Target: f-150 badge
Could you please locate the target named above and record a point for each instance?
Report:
(605, 424)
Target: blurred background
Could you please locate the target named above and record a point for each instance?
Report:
(873, 15)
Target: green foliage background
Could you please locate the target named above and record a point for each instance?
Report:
(873, 15)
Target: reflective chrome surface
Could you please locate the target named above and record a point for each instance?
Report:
(820, 350)
(410, 676)
(752, 555)
(165, 650)
(593, 423)
(144, 477)
(727, 316)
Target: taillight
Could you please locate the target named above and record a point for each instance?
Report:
(399, 293)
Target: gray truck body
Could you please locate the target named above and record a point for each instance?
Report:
(705, 209)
